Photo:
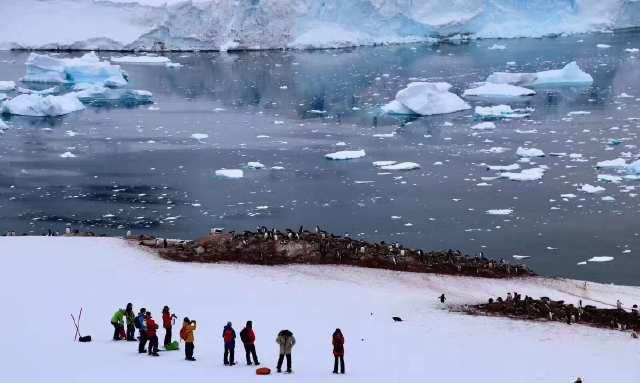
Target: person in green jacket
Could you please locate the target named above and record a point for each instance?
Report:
(117, 320)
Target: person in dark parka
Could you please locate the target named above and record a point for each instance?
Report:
(338, 351)
(229, 336)
(248, 338)
(130, 317)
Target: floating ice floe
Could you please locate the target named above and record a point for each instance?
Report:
(495, 150)
(504, 167)
(499, 211)
(346, 155)
(608, 198)
(609, 178)
(426, 98)
(603, 46)
(85, 69)
(529, 152)
(498, 90)
(487, 125)
(140, 60)
(516, 256)
(531, 174)
(570, 74)
(255, 165)
(401, 166)
(617, 163)
(385, 135)
(3, 96)
(67, 155)
(6, 86)
(587, 188)
(601, 259)
(633, 168)
(199, 136)
(3, 125)
(40, 106)
(230, 173)
(497, 47)
(384, 163)
(498, 111)
(102, 95)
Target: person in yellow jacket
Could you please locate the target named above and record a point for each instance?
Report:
(186, 334)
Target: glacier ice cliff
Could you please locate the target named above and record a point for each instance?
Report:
(270, 24)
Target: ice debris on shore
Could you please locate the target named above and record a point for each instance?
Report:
(570, 74)
(425, 99)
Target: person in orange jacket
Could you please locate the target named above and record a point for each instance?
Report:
(167, 324)
(338, 351)
(152, 326)
(186, 333)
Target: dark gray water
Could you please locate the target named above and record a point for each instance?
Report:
(139, 168)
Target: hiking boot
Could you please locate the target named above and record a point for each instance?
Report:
(249, 364)
(289, 371)
(155, 354)
(279, 371)
(190, 359)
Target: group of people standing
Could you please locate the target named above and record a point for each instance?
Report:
(147, 333)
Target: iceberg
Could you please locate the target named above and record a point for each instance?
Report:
(497, 112)
(230, 173)
(6, 86)
(498, 90)
(199, 136)
(346, 155)
(3, 125)
(591, 189)
(633, 168)
(401, 166)
(531, 174)
(427, 98)
(396, 107)
(98, 95)
(41, 106)
(617, 163)
(255, 165)
(529, 152)
(487, 125)
(85, 69)
(570, 74)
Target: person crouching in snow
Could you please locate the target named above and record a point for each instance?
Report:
(142, 329)
(117, 320)
(131, 319)
(186, 334)
(338, 351)
(286, 341)
(167, 324)
(229, 336)
(248, 338)
(152, 326)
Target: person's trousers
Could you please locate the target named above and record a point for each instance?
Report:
(153, 344)
(335, 364)
(143, 342)
(167, 336)
(281, 359)
(188, 350)
(229, 354)
(250, 350)
(131, 332)
(117, 330)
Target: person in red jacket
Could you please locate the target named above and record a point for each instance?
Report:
(248, 338)
(338, 351)
(152, 326)
(167, 324)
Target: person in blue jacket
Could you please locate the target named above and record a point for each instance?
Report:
(142, 328)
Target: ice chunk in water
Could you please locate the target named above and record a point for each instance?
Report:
(426, 98)
(6, 86)
(85, 69)
(41, 106)
(497, 112)
(230, 173)
(617, 163)
(255, 165)
(498, 90)
(141, 59)
(487, 125)
(401, 166)
(346, 155)
(532, 174)
(101, 95)
(591, 189)
(396, 107)
(570, 74)
(529, 152)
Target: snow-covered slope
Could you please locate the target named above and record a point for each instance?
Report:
(45, 279)
(224, 24)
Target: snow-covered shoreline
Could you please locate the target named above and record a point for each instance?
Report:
(57, 275)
